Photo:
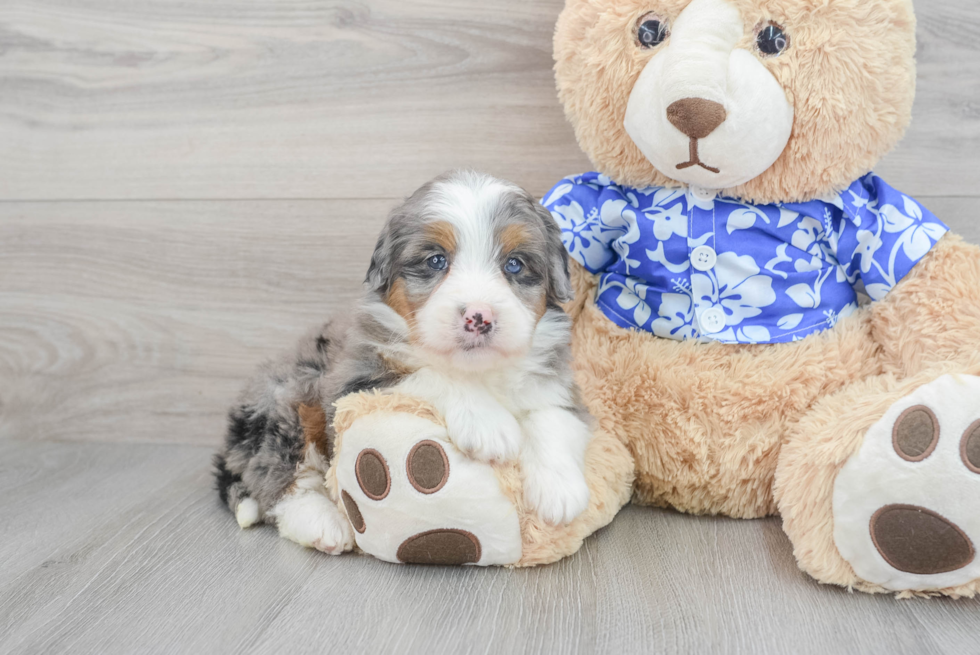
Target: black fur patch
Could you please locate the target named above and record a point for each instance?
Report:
(368, 382)
(223, 478)
(312, 365)
(245, 431)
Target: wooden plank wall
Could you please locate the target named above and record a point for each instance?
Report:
(185, 187)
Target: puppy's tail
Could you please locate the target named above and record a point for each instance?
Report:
(265, 441)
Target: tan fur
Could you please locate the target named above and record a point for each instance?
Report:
(933, 316)
(540, 307)
(397, 299)
(352, 407)
(704, 422)
(512, 237)
(609, 473)
(443, 234)
(314, 422)
(852, 104)
(396, 366)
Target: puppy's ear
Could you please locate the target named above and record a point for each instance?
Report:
(380, 272)
(559, 283)
(403, 221)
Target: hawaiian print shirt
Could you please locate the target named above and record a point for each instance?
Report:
(685, 264)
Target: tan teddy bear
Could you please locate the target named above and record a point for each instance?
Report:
(769, 328)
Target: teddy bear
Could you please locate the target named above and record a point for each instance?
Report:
(766, 325)
(762, 326)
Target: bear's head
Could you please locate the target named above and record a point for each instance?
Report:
(765, 100)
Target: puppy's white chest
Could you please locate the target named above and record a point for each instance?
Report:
(444, 389)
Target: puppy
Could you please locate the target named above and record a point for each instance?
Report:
(461, 308)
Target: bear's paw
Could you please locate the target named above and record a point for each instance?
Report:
(905, 504)
(413, 497)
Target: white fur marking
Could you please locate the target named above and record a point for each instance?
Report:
(247, 513)
(476, 421)
(305, 515)
(553, 465)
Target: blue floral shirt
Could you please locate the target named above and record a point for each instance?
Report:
(685, 264)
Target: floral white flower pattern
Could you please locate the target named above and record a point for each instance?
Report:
(736, 286)
(676, 320)
(782, 272)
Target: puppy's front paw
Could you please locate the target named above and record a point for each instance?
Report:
(311, 520)
(490, 434)
(558, 494)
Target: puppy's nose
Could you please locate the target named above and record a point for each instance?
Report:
(478, 319)
(696, 117)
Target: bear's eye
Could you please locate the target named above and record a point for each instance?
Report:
(772, 40)
(651, 31)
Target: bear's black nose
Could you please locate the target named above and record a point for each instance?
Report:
(696, 117)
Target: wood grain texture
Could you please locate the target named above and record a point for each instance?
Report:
(140, 321)
(120, 548)
(299, 98)
(110, 99)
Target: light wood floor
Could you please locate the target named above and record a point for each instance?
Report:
(185, 187)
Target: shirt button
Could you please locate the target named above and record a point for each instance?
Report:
(703, 194)
(713, 320)
(704, 258)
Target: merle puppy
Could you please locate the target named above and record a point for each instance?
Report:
(461, 308)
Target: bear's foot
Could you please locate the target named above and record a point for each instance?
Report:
(906, 505)
(413, 497)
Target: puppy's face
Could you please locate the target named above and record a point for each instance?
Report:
(471, 263)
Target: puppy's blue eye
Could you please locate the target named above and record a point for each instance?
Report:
(514, 266)
(437, 262)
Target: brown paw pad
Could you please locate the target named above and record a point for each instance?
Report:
(427, 466)
(446, 547)
(970, 447)
(353, 512)
(916, 433)
(917, 540)
(372, 474)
